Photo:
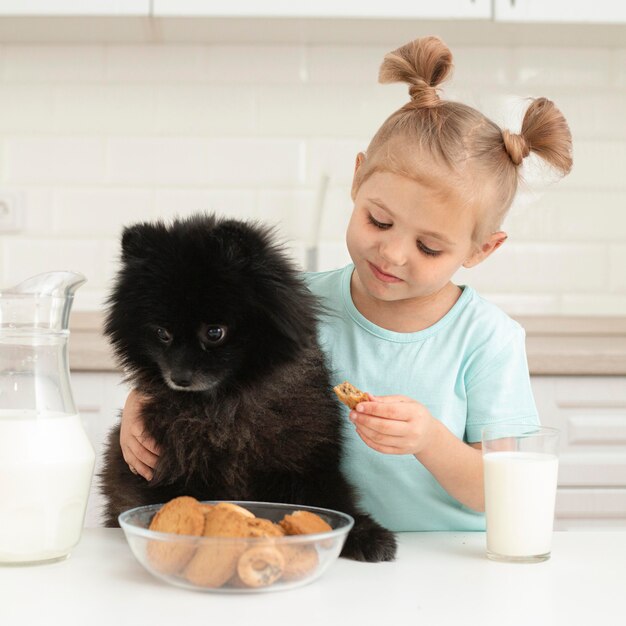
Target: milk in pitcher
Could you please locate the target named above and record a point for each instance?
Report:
(46, 464)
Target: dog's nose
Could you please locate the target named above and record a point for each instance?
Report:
(182, 379)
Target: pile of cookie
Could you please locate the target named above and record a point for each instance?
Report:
(232, 563)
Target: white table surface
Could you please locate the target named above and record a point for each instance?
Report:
(438, 578)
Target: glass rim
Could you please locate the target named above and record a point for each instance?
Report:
(129, 525)
(516, 429)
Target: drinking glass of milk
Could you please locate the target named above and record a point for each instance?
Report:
(46, 459)
(520, 467)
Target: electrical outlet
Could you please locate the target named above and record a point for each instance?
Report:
(10, 212)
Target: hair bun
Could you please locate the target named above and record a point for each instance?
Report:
(516, 146)
(423, 95)
(423, 63)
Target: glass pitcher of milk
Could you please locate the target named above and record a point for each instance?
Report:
(46, 459)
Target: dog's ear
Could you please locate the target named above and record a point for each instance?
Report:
(140, 241)
(290, 308)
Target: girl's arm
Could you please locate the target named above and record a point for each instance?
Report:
(457, 466)
(140, 451)
(400, 425)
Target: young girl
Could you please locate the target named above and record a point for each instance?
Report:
(430, 194)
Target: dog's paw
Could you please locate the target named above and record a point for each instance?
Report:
(368, 541)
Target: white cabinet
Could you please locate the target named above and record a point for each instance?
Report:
(561, 11)
(74, 7)
(99, 397)
(442, 9)
(343, 22)
(590, 412)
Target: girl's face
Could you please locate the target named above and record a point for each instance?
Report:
(406, 240)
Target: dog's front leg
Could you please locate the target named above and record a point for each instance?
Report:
(368, 540)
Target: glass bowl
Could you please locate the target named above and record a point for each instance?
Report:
(215, 563)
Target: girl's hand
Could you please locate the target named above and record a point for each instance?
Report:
(140, 451)
(393, 424)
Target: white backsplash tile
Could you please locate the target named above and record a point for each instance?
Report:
(153, 63)
(50, 63)
(54, 160)
(598, 165)
(93, 137)
(24, 257)
(297, 251)
(331, 255)
(105, 108)
(588, 215)
(594, 115)
(244, 65)
(99, 212)
(336, 214)
(234, 203)
(205, 109)
(253, 162)
(541, 268)
(291, 211)
(38, 213)
(25, 108)
(537, 222)
(562, 66)
(334, 158)
(344, 65)
(617, 269)
(324, 110)
(111, 252)
(157, 161)
(490, 67)
(524, 303)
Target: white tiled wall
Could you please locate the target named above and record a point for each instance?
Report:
(94, 137)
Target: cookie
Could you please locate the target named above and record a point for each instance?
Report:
(303, 523)
(236, 582)
(349, 394)
(299, 561)
(206, 507)
(214, 563)
(259, 527)
(230, 506)
(181, 516)
(260, 566)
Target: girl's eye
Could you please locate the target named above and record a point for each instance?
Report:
(427, 250)
(378, 224)
(216, 334)
(163, 335)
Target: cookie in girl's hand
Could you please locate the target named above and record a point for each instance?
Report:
(349, 394)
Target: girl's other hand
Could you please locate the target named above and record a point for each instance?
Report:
(139, 450)
(393, 424)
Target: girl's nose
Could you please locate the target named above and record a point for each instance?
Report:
(394, 252)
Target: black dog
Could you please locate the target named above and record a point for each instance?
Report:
(211, 321)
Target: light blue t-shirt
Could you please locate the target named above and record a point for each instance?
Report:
(469, 369)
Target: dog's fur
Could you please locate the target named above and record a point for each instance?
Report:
(211, 322)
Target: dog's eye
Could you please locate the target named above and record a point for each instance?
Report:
(163, 335)
(216, 334)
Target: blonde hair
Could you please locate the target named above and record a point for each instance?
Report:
(480, 160)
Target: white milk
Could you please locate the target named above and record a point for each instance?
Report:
(520, 490)
(46, 464)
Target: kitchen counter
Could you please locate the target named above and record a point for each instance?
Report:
(556, 345)
(437, 579)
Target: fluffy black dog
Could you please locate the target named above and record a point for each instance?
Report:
(211, 321)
